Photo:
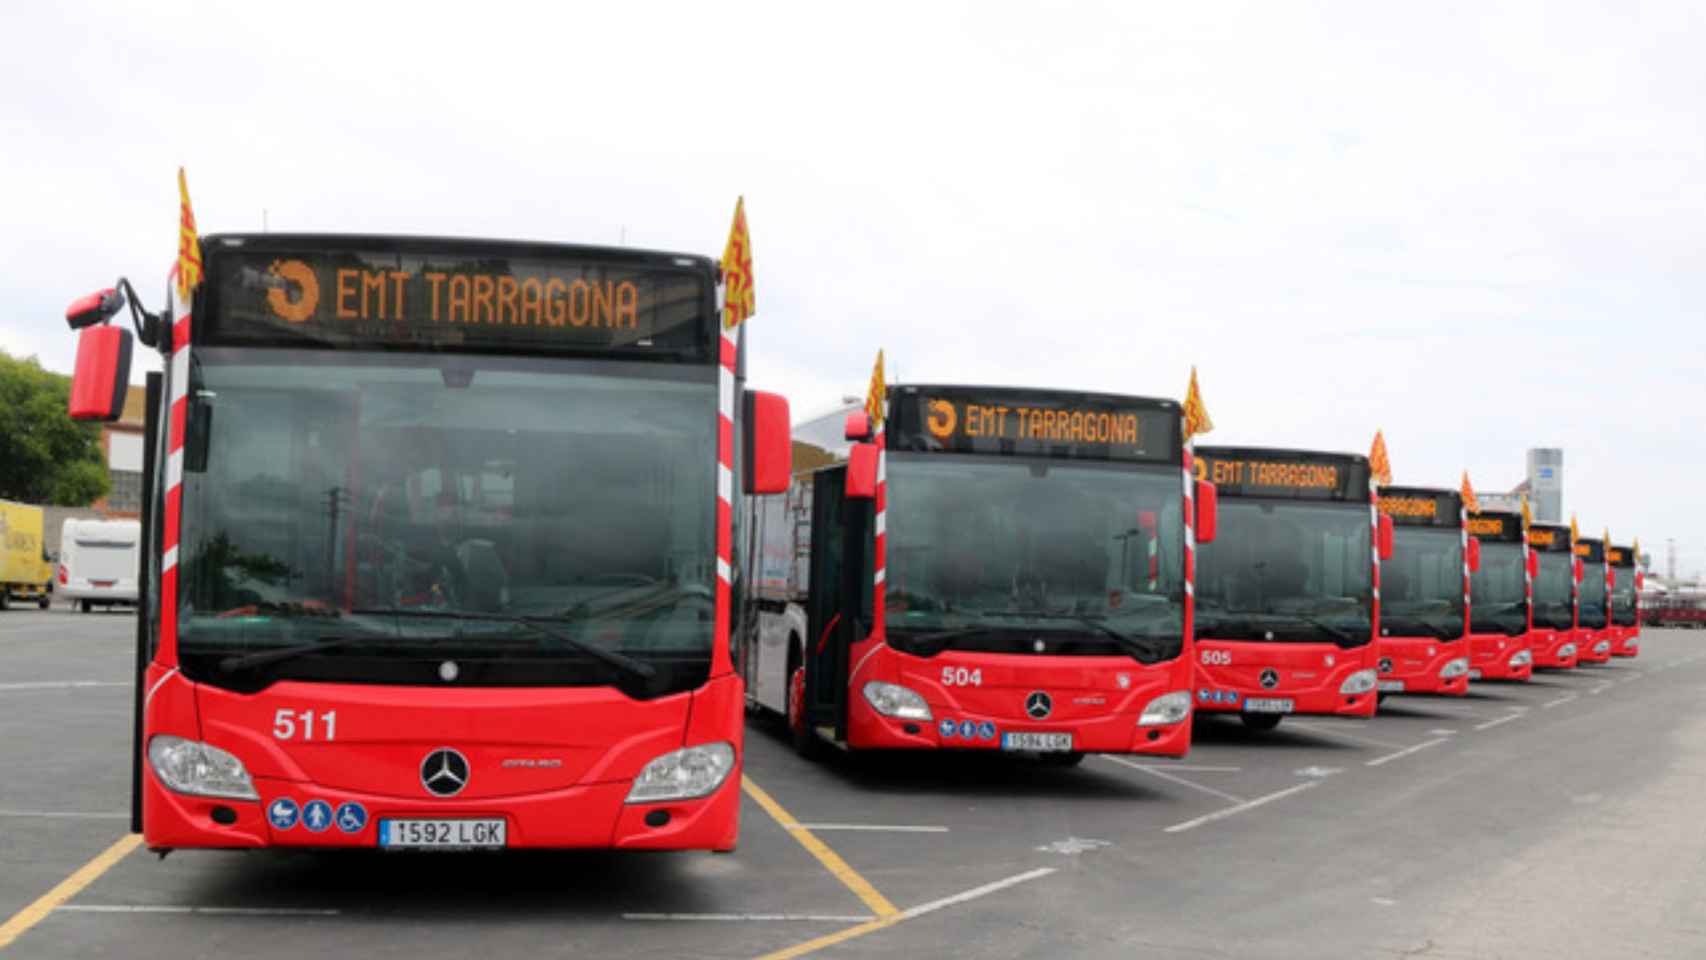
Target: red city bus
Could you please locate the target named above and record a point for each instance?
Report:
(1424, 593)
(1553, 637)
(1501, 594)
(1626, 584)
(438, 545)
(1288, 595)
(996, 569)
(1593, 613)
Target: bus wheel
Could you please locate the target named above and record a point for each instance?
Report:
(1071, 758)
(5, 601)
(44, 601)
(85, 606)
(1260, 721)
(800, 733)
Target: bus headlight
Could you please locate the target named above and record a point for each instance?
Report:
(1454, 668)
(1360, 682)
(1521, 658)
(684, 774)
(198, 769)
(1172, 707)
(1604, 646)
(893, 700)
(1566, 651)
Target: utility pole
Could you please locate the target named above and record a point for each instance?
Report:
(1670, 560)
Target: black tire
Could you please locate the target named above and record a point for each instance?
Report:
(85, 606)
(44, 601)
(1260, 721)
(5, 601)
(1379, 699)
(801, 736)
(1071, 758)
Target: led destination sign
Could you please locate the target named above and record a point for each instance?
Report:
(1297, 474)
(1593, 551)
(338, 292)
(1620, 556)
(1549, 539)
(1411, 506)
(1501, 527)
(1033, 423)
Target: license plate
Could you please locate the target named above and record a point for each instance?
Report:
(1391, 686)
(1474, 674)
(1040, 742)
(442, 834)
(1268, 705)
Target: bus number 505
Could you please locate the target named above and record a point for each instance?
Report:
(1217, 658)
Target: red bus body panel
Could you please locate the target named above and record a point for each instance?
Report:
(1096, 699)
(1308, 674)
(1593, 645)
(1490, 656)
(1416, 662)
(1626, 640)
(1553, 649)
(555, 763)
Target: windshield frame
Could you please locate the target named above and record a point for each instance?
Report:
(1498, 553)
(1406, 537)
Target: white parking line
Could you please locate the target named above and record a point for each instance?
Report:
(61, 684)
(1353, 737)
(1602, 687)
(1193, 768)
(750, 917)
(1566, 698)
(976, 892)
(63, 815)
(208, 911)
(1378, 761)
(866, 827)
(1145, 768)
(1490, 724)
(1242, 807)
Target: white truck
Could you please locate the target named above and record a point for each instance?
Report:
(98, 562)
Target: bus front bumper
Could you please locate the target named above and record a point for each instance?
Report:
(1423, 665)
(1498, 656)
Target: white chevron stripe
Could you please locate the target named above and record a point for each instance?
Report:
(169, 559)
(175, 468)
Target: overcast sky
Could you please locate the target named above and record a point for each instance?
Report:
(1479, 229)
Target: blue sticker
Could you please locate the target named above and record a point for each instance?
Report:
(946, 729)
(1206, 695)
(986, 730)
(351, 817)
(317, 815)
(967, 729)
(1232, 698)
(282, 813)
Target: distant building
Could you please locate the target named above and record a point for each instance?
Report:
(1546, 484)
(121, 445)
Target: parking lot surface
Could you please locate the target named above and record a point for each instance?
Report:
(1554, 818)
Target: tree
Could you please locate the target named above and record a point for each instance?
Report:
(45, 456)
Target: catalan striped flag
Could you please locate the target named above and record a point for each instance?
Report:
(1469, 495)
(1527, 517)
(1575, 534)
(739, 303)
(189, 243)
(1196, 414)
(875, 395)
(1378, 462)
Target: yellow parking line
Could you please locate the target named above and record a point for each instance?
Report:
(831, 939)
(71, 886)
(831, 861)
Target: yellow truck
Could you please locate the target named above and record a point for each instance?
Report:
(26, 571)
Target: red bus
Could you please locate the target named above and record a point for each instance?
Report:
(1626, 585)
(1501, 595)
(996, 569)
(1288, 595)
(1593, 607)
(1553, 638)
(1424, 593)
(438, 545)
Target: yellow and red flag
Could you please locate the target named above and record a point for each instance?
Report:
(1605, 539)
(875, 395)
(1196, 414)
(1527, 518)
(1378, 462)
(189, 244)
(1469, 495)
(739, 304)
(1575, 534)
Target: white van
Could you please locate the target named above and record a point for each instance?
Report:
(98, 562)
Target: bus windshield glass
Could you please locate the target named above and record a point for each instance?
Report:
(1031, 556)
(1498, 602)
(425, 509)
(1421, 587)
(1592, 599)
(1287, 571)
(1552, 593)
(1623, 596)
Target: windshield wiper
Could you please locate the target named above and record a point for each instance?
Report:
(249, 661)
(931, 644)
(1137, 650)
(638, 668)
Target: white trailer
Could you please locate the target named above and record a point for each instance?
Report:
(98, 561)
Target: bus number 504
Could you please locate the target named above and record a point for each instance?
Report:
(961, 677)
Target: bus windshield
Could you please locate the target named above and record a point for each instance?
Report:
(1623, 596)
(1552, 593)
(1592, 599)
(1421, 587)
(1034, 556)
(417, 507)
(1287, 571)
(1498, 602)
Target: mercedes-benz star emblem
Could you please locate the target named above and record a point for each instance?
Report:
(444, 772)
(1385, 664)
(1038, 705)
(1270, 678)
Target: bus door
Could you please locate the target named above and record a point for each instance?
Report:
(838, 609)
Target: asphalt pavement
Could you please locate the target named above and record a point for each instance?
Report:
(1558, 818)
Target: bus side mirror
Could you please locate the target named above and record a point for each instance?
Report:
(1474, 555)
(1533, 564)
(1385, 536)
(858, 426)
(1640, 581)
(862, 472)
(96, 308)
(1576, 569)
(769, 460)
(102, 374)
(1208, 511)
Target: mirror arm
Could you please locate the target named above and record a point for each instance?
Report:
(147, 324)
